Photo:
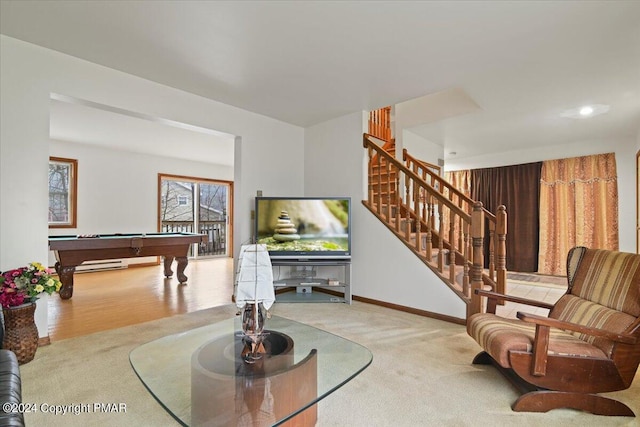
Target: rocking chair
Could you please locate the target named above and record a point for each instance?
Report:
(588, 344)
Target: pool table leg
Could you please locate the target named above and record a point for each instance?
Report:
(168, 272)
(182, 264)
(66, 277)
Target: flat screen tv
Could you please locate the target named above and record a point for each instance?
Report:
(304, 227)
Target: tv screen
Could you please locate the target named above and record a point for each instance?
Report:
(304, 227)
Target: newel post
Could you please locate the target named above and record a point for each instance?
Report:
(501, 234)
(477, 237)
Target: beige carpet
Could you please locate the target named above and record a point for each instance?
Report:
(421, 375)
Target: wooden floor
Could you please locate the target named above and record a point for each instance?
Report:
(117, 298)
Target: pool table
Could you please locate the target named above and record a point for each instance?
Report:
(72, 251)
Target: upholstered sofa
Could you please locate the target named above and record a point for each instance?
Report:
(10, 386)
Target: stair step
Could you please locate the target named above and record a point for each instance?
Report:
(384, 187)
(384, 193)
(383, 177)
(385, 198)
(376, 167)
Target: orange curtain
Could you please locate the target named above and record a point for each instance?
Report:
(461, 180)
(578, 207)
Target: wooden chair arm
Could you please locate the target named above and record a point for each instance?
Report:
(560, 324)
(494, 297)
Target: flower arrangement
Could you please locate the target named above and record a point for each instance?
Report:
(24, 284)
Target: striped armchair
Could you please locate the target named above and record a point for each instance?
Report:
(589, 343)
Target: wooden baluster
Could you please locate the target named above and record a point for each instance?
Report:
(388, 168)
(465, 261)
(421, 190)
(398, 202)
(407, 204)
(429, 246)
(387, 116)
(371, 189)
(501, 231)
(432, 220)
(373, 123)
(477, 235)
(379, 201)
(452, 249)
(492, 250)
(460, 234)
(433, 214)
(376, 123)
(423, 204)
(440, 238)
(416, 207)
(384, 123)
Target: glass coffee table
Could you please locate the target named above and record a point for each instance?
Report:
(200, 378)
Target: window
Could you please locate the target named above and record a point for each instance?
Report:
(63, 181)
(197, 205)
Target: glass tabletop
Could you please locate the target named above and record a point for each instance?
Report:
(200, 378)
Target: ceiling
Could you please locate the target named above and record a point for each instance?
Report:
(522, 63)
(86, 122)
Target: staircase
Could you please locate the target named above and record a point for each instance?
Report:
(444, 228)
(380, 129)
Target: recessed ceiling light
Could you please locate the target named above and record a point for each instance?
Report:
(585, 111)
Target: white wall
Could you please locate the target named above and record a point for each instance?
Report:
(333, 157)
(421, 148)
(383, 268)
(625, 163)
(29, 74)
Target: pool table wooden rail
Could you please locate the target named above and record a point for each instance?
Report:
(71, 251)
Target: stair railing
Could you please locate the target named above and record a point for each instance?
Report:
(444, 228)
(380, 123)
(497, 223)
